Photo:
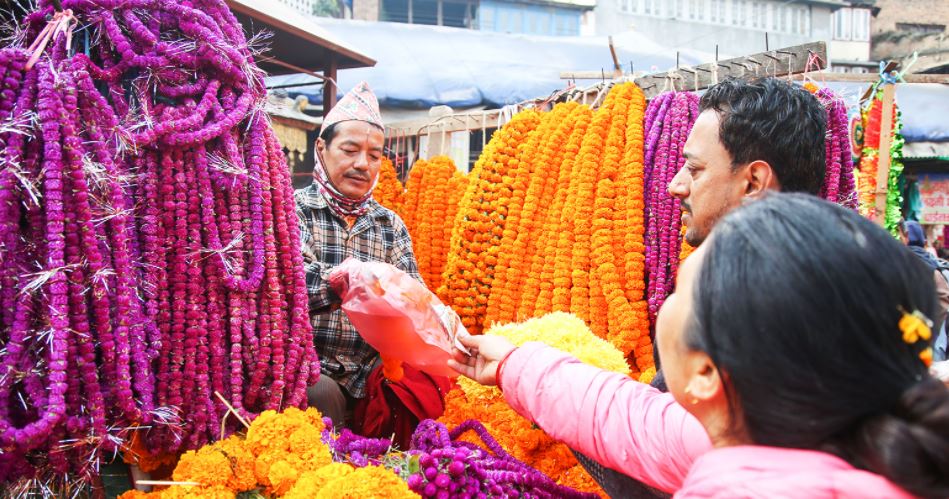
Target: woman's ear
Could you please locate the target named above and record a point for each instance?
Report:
(705, 383)
(760, 178)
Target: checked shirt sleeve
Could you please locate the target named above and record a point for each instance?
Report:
(321, 296)
(402, 255)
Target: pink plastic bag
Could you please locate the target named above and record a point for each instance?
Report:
(397, 315)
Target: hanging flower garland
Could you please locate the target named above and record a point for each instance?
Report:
(538, 291)
(434, 189)
(839, 183)
(619, 226)
(671, 118)
(138, 218)
(479, 225)
(872, 116)
(389, 191)
(530, 173)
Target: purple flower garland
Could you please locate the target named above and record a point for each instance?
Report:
(149, 239)
(669, 119)
(839, 183)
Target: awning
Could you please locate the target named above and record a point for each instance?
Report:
(297, 42)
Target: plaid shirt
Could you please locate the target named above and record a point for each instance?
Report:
(379, 235)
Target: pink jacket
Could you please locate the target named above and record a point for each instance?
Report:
(642, 432)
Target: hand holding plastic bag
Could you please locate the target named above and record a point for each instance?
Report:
(397, 315)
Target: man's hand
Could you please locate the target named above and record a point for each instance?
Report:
(482, 364)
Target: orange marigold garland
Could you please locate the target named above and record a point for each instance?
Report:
(389, 191)
(479, 224)
(537, 298)
(529, 172)
(531, 231)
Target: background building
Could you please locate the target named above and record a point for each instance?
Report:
(541, 17)
(901, 27)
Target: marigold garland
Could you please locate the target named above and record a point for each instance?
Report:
(538, 294)
(479, 224)
(389, 191)
(529, 176)
(432, 194)
(517, 435)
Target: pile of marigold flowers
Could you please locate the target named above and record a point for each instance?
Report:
(389, 191)
(296, 454)
(290, 454)
(515, 434)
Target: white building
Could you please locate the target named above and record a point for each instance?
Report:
(737, 27)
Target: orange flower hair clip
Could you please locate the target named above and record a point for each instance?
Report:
(916, 326)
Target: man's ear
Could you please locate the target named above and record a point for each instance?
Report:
(760, 178)
(320, 145)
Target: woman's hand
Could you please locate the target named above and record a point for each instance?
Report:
(486, 353)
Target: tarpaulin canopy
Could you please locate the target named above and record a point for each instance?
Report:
(924, 107)
(421, 66)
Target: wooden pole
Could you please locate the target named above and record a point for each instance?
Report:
(329, 86)
(883, 158)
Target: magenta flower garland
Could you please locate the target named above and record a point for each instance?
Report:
(149, 246)
(669, 120)
(839, 183)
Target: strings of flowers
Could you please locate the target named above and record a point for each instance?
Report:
(530, 173)
(150, 247)
(839, 183)
(389, 191)
(479, 224)
(433, 191)
(669, 120)
(872, 117)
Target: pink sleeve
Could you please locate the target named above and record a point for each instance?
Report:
(625, 425)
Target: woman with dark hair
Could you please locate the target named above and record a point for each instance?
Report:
(795, 349)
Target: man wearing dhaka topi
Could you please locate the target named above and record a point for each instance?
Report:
(339, 219)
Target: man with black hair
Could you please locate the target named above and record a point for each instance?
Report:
(749, 138)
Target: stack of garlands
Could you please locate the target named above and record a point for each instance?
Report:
(515, 434)
(872, 116)
(433, 190)
(389, 191)
(669, 121)
(150, 247)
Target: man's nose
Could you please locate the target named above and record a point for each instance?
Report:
(362, 160)
(679, 186)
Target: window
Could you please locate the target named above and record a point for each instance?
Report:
(757, 15)
(803, 25)
(713, 14)
(785, 18)
(629, 6)
(843, 19)
(697, 10)
(795, 20)
(920, 28)
(680, 9)
(486, 19)
(861, 25)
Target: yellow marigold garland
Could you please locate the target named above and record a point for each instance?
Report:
(389, 191)
(479, 224)
(517, 435)
(414, 186)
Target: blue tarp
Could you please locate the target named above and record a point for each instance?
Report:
(422, 66)
(924, 108)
